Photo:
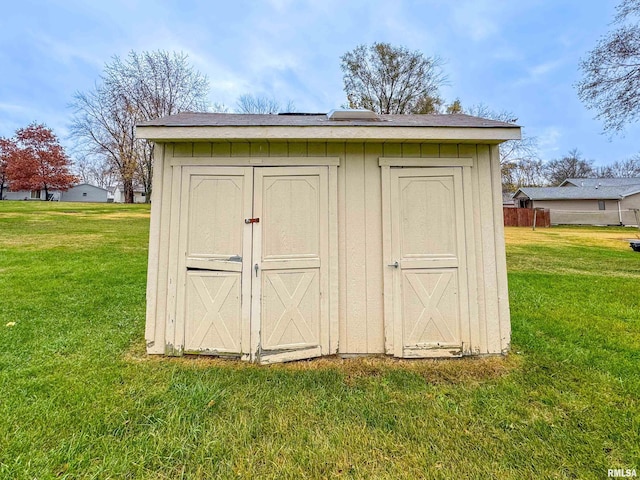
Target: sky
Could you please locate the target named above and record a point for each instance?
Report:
(517, 56)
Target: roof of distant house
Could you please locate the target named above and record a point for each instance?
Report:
(603, 182)
(580, 193)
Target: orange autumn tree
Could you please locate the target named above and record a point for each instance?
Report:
(38, 161)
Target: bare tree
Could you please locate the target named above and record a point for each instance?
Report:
(141, 87)
(628, 168)
(519, 160)
(572, 165)
(611, 71)
(525, 172)
(388, 79)
(95, 170)
(260, 104)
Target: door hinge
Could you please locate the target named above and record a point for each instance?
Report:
(251, 220)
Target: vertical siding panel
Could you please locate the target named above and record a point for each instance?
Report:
(221, 149)
(339, 150)
(373, 249)
(356, 313)
(410, 149)
(317, 149)
(259, 149)
(489, 252)
(430, 150)
(385, 173)
(392, 150)
(154, 326)
(477, 223)
(298, 149)
(449, 150)
(172, 333)
(469, 150)
(278, 149)
(202, 149)
(501, 257)
(240, 149)
(183, 149)
(334, 269)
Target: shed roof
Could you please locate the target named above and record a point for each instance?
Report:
(232, 126)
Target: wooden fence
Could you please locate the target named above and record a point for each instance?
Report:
(523, 217)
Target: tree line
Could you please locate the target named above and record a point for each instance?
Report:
(380, 77)
(532, 172)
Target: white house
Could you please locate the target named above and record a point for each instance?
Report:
(139, 195)
(83, 192)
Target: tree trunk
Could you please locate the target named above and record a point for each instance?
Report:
(128, 191)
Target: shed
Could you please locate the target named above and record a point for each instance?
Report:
(284, 237)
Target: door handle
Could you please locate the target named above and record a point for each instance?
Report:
(255, 267)
(394, 264)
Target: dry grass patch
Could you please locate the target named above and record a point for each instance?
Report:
(467, 370)
(612, 237)
(46, 241)
(123, 215)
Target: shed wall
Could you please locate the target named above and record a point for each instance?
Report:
(576, 205)
(360, 255)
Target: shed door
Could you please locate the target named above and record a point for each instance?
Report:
(253, 272)
(290, 254)
(216, 245)
(430, 306)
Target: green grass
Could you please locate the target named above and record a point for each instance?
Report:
(79, 399)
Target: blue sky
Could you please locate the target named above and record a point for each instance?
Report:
(520, 56)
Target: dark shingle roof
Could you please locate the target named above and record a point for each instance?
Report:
(604, 182)
(315, 120)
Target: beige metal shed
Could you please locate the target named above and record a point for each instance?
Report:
(283, 237)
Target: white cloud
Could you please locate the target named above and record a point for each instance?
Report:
(549, 140)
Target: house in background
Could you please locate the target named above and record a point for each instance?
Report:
(507, 200)
(83, 192)
(139, 195)
(38, 195)
(586, 201)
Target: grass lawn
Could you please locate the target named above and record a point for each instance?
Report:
(79, 398)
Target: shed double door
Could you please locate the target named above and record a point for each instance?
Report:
(253, 272)
(428, 264)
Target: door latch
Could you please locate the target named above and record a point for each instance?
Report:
(394, 264)
(255, 267)
(251, 220)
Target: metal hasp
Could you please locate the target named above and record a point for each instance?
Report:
(394, 264)
(251, 220)
(255, 267)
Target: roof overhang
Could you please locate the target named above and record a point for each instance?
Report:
(345, 133)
